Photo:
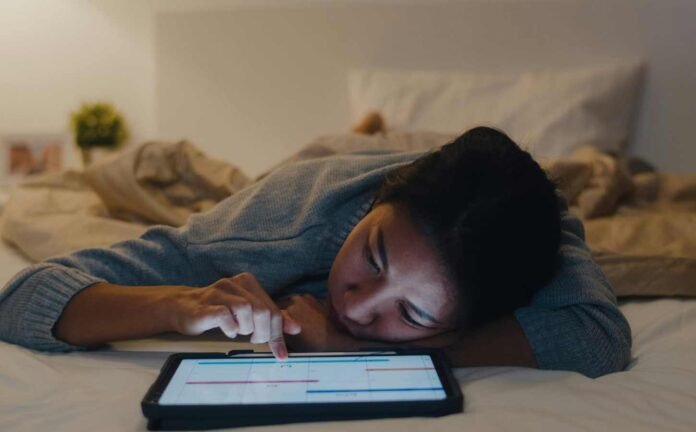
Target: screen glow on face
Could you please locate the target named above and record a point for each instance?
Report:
(303, 380)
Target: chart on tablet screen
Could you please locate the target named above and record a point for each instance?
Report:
(298, 380)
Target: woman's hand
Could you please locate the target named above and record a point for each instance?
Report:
(238, 306)
(318, 332)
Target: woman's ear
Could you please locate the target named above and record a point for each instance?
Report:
(371, 124)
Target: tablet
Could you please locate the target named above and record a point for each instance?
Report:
(210, 390)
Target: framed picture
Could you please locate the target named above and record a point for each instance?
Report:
(27, 154)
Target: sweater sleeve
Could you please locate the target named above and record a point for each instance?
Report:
(573, 323)
(34, 299)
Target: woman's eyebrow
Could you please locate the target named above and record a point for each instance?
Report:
(381, 249)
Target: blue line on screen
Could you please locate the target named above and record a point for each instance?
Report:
(374, 390)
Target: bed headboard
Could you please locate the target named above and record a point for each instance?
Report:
(253, 81)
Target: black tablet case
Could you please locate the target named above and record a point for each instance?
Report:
(205, 417)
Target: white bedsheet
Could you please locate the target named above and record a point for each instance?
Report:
(101, 390)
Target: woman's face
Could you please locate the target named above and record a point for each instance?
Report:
(386, 282)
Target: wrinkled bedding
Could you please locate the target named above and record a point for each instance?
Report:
(639, 222)
(101, 390)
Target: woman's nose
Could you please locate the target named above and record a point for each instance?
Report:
(362, 304)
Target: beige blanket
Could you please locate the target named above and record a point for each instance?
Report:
(156, 183)
(640, 225)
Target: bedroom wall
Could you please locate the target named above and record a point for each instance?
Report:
(251, 81)
(58, 53)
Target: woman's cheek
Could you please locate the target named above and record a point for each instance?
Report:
(391, 330)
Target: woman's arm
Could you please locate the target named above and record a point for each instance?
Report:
(34, 299)
(499, 343)
(572, 323)
(104, 312)
(238, 305)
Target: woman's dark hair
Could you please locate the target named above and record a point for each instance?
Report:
(491, 213)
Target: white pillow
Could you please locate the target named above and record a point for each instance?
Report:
(550, 113)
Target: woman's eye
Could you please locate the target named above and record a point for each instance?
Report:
(369, 257)
(373, 263)
(407, 317)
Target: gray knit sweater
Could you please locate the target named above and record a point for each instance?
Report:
(286, 229)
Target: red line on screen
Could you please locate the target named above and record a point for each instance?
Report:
(396, 369)
(253, 382)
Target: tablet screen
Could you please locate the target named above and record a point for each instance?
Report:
(303, 380)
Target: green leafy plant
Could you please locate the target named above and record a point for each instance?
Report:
(97, 125)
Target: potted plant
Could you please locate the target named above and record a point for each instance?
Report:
(97, 125)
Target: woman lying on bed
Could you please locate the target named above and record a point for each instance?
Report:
(457, 248)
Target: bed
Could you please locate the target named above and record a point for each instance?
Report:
(101, 390)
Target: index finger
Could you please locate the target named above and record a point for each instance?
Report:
(277, 341)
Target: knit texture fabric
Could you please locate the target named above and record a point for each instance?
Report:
(286, 229)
